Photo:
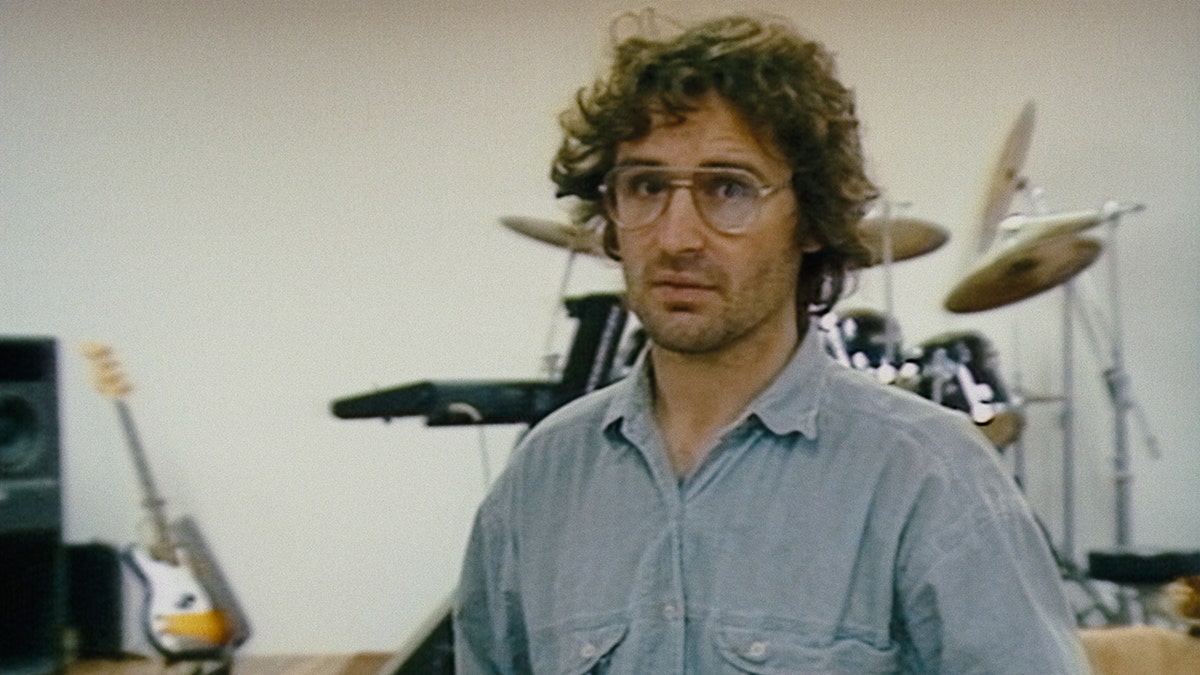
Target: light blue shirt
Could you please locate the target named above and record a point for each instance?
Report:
(841, 526)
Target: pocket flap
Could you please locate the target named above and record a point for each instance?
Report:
(583, 649)
(772, 652)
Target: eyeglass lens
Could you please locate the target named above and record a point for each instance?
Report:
(727, 199)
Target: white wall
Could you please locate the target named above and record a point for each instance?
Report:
(267, 206)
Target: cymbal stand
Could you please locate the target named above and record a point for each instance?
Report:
(891, 357)
(1019, 405)
(551, 359)
(1118, 384)
(1067, 422)
(1036, 197)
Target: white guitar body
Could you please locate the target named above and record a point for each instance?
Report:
(179, 616)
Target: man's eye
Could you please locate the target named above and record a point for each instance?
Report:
(645, 185)
(729, 187)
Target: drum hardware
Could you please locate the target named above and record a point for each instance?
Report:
(958, 370)
(1038, 253)
(576, 239)
(863, 340)
(978, 396)
(891, 239)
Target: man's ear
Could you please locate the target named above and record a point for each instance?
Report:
(809, 242)
(608, 239)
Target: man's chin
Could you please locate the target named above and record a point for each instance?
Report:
(685, 333)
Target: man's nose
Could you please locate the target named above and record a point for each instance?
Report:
(680, 227)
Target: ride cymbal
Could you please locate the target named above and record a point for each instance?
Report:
(575, 238)
(909, 237)
(1022, 271)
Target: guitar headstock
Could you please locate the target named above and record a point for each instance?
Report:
(107, 376)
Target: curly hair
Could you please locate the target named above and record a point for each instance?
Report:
(783, 84)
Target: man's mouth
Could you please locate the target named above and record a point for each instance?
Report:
(680, 288)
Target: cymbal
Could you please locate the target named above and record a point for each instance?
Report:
(1051, 225)
(1028, 228)
(910, 237)
(564, 235)
(1022, 271)
(1006, 178)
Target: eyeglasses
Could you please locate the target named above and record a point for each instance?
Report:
(728, 199)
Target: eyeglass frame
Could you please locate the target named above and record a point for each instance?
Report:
(761, 192)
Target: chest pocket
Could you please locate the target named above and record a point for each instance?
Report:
(578, 652)
(765, 652)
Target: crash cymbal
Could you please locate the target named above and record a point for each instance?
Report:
(1006, 178)
(910, 237)
(564, 235)
(1021, 271)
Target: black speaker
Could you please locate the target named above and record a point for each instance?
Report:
(30, 495)
(94, 600)
(32, 566)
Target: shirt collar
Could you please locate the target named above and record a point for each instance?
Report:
(789, 404)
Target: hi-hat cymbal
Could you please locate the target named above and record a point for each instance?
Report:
(1022, 271)
(909, 237)
(564, 235)
(1006, 178)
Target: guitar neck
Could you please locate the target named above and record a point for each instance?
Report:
(152, 501)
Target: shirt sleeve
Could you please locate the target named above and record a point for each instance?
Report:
(489, 632)
(978, 587)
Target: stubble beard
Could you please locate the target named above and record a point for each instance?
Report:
(729, 315)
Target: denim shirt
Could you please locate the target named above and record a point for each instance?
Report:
(841, 526)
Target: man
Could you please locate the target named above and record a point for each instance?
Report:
(741, 503)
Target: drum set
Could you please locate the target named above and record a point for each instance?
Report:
(1019, 256)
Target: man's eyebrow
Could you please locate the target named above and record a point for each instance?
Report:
(638, 162)
(710, 164)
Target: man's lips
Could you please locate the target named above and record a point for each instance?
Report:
(680, 288)
(681, 280)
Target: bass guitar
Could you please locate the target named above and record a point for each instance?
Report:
(183, 616)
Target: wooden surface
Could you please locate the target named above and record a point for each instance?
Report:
(1141, 650)
(335, 664)
(1112, 651)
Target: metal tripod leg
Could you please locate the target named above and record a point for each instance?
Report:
(1071, 573)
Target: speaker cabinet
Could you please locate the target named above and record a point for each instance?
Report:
(32, 565)
(29, 468)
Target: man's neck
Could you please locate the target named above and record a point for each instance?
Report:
(697, 396)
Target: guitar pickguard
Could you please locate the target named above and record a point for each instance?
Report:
(180, 618)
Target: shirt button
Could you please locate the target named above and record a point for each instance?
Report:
(671, 612)
(588, 650)
(756, 650)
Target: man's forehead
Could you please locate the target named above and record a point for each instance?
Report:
(710, 124)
